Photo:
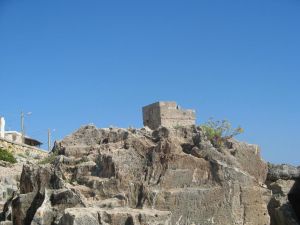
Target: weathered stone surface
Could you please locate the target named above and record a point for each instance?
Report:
(9, 180)
(6, 223)
(283, 171)
(294, 197)
(138, 176)
(285, 215)
(174, 170)
(167, 114)
(284, 204)
(250, 160)
(279, 207)
(94, 216)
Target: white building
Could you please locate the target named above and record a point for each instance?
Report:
(15, 136)
(2, 127)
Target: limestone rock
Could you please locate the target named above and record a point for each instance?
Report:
(9, 180)
(94, 216)
(283, 171)
(294, 198)
(279, 207)
(114, 176)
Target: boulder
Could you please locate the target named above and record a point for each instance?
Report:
(280, 206)
(282, 171)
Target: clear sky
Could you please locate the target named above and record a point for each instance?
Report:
(75, 62)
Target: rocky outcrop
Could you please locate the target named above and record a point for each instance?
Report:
(283, 172)
(10, 174)
(138, 176)
(9, 183)
(283, 181)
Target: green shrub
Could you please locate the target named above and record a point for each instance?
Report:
(21, 155)
(7, 156)
(49, 159)
(219, 131)
(177, 126)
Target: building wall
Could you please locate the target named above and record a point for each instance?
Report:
(15, 137)
(177, 117)
(151, 115)
(167, 114)
(17, 148)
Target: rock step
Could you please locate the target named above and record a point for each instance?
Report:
(96, 216)
(103, 187)
(180, 178)
(109, 203)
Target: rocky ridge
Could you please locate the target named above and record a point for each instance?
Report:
(115, 176)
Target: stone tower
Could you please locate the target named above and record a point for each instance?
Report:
(167, 114)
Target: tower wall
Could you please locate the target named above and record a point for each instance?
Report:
(167, 114)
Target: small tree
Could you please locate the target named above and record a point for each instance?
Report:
(219, 131)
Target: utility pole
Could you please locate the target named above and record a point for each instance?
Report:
(22, 127)
(49, 140)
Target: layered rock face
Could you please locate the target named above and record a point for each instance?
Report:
(143, 177)
(9, 182)
(284, 206)
(10, 177)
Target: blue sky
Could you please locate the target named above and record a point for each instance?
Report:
(77, 62)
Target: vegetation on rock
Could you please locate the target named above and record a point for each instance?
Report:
(7, 156)
(219, 131)
(49, 159)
